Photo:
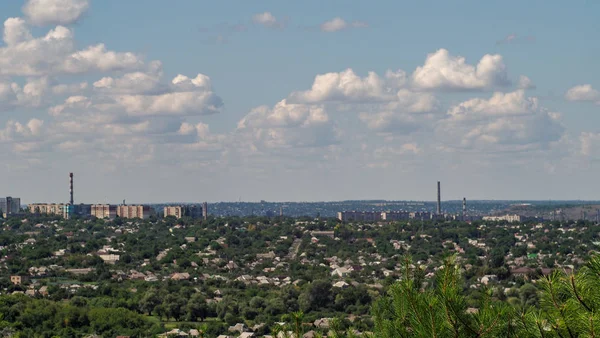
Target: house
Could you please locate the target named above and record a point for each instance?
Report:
(18, 280)
(43, 291)
(246, 335)
(239, 327)
(322, 323)
(341, 272)
(180, 276)
(341, 285)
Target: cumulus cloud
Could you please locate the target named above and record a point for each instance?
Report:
(188, 97)
(443, 71)
(590, 144)
(411, 112)
(526, 83)
(347, 86)
(287, 126)
(268, 20)
(130, 83)
(505, 122)
(55, 53)
(583, 93)
(23, 138)
(55, 12)
(337, 24)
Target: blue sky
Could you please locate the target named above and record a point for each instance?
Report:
(311, 100)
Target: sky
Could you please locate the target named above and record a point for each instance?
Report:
(190, 101)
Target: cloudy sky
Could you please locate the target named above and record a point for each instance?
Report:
(311, 100)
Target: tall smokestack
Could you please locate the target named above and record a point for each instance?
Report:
(439, 200)
(71, 188)
(464, 208)
(205, 211)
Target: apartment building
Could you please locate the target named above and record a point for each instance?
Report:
(9, 206)
(47, 208)
(103, 211)
(134, 211)
(179, 211)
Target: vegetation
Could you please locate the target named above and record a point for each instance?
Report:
(258, 271)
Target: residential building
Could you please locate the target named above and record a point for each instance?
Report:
(18, 280)
(103, 211)
(47, 208)
(134, 211)
(508, 218)
(349, 216)
(179, 211)
(395, 215)
(9, 206)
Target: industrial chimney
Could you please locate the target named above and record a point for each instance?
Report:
(71, 201)
(464, 214)
(439, 200)
(205, 211)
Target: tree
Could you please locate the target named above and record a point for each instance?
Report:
(149, 301)
(197, 307)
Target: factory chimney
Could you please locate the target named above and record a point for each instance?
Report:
(71, 201)
(464, 214)
(205, 211)
(439, 200)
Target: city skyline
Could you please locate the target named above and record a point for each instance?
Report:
(306, 101)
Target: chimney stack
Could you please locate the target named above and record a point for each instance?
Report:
(205, 211)
(464, 208)
(71, 188)
(439, 200)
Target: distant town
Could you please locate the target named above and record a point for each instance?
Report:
(366, 210)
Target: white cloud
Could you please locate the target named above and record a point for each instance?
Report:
(590, 144)
(583, 93)
(337, 24)
(130, 83)
(189, 97)
(505, 122)
(347, 86)
(16, 31)
(98, 58)
(16, 132)
(268, 20)
(443, 71)
(55, 12)
(287, 126)
(55, 54)
(526, 83)
(72, 104)
(411, 112)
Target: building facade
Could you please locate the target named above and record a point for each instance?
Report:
(134, 211)
(350, 216)
(103, 211)
(175, 211)
(179, 211)
(395, 215)
(46, 208)
(9, 206)
(508, 218)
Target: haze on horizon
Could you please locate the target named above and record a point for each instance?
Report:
(306, 101)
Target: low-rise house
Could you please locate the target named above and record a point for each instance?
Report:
(18, 280)
(180, 276)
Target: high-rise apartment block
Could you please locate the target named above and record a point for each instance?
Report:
(47, 208)
(104, 211)
(179, 211)
(134, 211)
(9, 206)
